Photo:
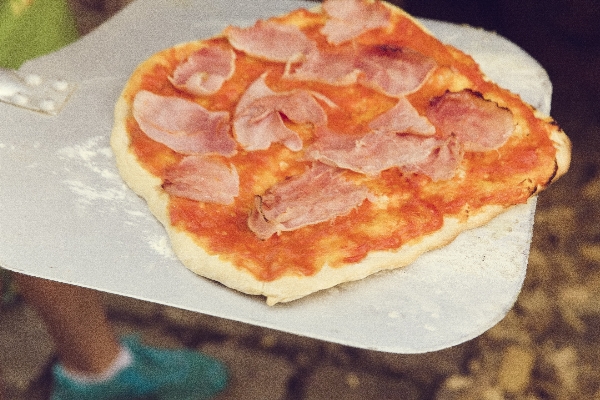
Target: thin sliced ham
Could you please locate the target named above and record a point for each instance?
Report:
(270, 41)
(320, 194)
(479, 124)
(258, 120)
(349, 19)
(393, 70)
(403, 118)
(442, 163)
(182, 125)
(372, 152)
(204, 71)
(202, 178)
(334, 67)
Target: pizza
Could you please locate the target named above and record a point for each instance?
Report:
(325, 145)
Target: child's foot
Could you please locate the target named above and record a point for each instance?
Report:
(153, 373)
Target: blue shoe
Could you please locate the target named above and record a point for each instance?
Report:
(154, 373)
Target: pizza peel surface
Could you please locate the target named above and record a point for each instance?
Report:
(388, 144)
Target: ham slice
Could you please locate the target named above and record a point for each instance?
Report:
(479, 124)
(204, 71)
(320, 194)
(348, 19)
(334, 67)
(202, 178)
(258, 120)
(182, 125)
(442, 162)
(403, 118)
(270, 41)
(393, 70)
(372, 152)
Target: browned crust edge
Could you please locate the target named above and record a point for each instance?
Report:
(288, 288)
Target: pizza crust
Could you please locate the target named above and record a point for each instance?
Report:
(288, 288)
(563, 147)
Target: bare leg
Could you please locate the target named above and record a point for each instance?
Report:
(76, 320)
(1, 383)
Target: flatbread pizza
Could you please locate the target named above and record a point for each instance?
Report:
(323, 146)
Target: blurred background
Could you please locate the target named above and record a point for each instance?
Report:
(547, 347)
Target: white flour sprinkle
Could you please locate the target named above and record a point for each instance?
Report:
(90, 173)
(161, 245)
(91, 193)
(97, 159)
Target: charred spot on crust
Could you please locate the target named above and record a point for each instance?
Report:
(389, 50)
(394, 51)
(554, 172)
(531, 187)
(549, 180)
(534, 191)
(475, 93)
(435, 100)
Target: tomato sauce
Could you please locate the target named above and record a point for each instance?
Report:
(417, 205)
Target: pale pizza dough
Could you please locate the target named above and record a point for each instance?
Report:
(287, 288)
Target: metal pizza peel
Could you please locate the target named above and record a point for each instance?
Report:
(66, 215)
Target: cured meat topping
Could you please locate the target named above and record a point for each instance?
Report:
(372, 152)
(205, 71)
(403, 118)
(269, 139)
(433, 144)
(479, 124)
(318, 195)
(182, 125)
(392, 70)
(270, 41)
(258, 118)
(351, 18)
(203, 179)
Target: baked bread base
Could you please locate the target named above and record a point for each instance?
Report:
(287, 288)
